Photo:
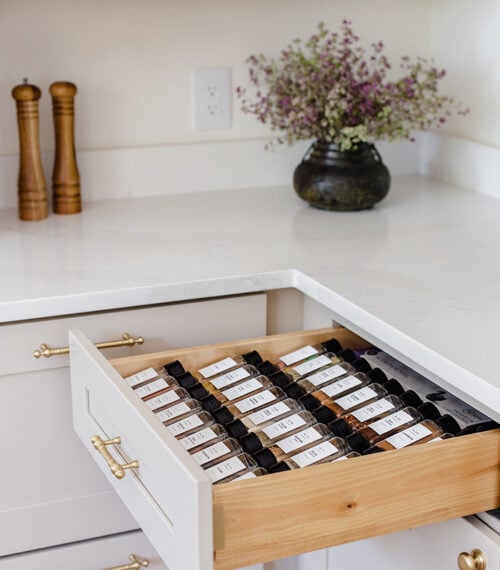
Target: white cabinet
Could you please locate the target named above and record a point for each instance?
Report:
(52, 492)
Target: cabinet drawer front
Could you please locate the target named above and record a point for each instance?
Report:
(307, 509)
(175, 325)
(98, 554)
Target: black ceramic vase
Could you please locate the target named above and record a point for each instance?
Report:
(332, 179)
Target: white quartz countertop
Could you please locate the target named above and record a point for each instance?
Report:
(420, 273)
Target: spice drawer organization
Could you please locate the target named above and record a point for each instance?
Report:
(194, 524)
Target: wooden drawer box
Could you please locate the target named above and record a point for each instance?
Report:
(195, 525)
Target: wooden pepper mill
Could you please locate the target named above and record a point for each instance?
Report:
(65, 176)
(32, 191)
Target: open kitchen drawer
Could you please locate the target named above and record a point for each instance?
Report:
(197, 526)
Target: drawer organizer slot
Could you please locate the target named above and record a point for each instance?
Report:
(240, 523)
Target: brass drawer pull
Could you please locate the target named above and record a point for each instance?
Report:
(117, 469)
(475, 560)
(126, 340)
(133, 566)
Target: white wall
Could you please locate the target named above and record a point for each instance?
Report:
(465, 39)
(132, 59)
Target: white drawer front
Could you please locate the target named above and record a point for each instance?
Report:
(98, 554)
(178, 520)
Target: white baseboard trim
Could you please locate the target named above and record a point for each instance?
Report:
(467, 164)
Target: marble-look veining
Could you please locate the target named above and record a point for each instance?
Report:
(420, 273)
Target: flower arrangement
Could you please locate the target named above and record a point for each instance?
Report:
(332, 89)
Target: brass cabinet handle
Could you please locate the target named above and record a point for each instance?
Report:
(126, 340)
(475, 560)
(135, 564)
(118, 469)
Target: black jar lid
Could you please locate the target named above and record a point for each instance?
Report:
(361, 365)
(210, 403)
(265, 458)
(358, 442)
(411, 398)
(198, 391)
(448, 424)
(309, 402)
(252, 357)
(251, 443)
(373, 449)
(278, 468)
(394, 387)
(324, 415)
(236, 428)
(475, 428)
(223, 416)
(332, 345)
(293, 390)
(347, 355)
(267, 368)
(174, 368)
(377, 375)
(429, 411)
(280, 379)
(340, 428)
(186, 380)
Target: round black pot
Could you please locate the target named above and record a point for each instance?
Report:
(331, 179)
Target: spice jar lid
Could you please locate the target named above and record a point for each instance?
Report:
(278, 468)
(267, 368)
(483, 426)
(252, 357)
(186, 380)
(448, 424)
(377, 375)
(223, 416)
(209, 403)
(236, 428)
(361, 365)
(347, 354)
(373, 449)
(265, 458)
(174, 368)
(280, 379)
(394, 387)
(411, 398)
(357, 442)
(429, 411)
(340, 428)
(293, 390)
(309, 402)
(324, 415)
(332, 345)
(198, 391)
(251, 443)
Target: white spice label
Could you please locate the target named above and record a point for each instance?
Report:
(298, 355)
(249, 475)
(326, 375)
(299, 440)
(341, 386)
(284, 426)
(242, 389)
(314, 454)
(173, 412)
(187, 424)
(409, 436)
(217, 367)
(373, 410)
(255, 401)
(141, 376)
(163, 400)
(356, 398)
(212, 452)
(151, 388)
(435, 439)
(391, 422)
(269, 413)
(311, 365)
(229, 378)
(225, 469)
(197, 438)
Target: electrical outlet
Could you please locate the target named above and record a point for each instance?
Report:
(212, 98)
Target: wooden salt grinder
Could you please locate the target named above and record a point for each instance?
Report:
(65, 176)
(32, 191)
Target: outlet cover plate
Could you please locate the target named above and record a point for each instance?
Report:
(212, 98)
